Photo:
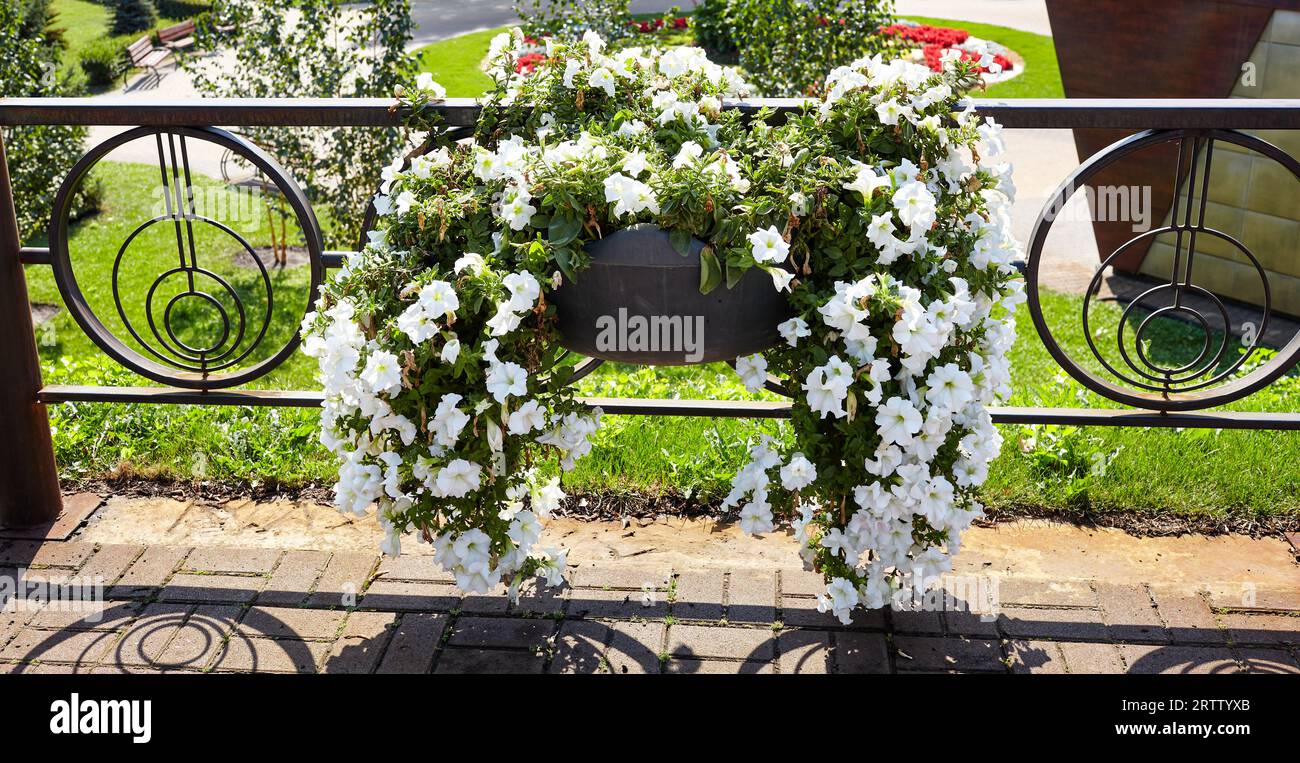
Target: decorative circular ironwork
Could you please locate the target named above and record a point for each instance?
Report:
(214, 362)
(1140, 380)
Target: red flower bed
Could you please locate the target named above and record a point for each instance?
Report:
(526, 63)
(927, 35)
(934, 40)
(645, 27)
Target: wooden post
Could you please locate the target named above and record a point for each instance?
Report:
(29, 479)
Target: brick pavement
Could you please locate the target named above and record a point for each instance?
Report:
(174, 609)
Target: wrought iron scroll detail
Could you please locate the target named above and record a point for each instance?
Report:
(1208, 379)
(158, 352)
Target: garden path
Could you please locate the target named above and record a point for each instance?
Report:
(292, 586)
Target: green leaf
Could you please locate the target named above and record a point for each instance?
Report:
(563, 229)
(734, 274)
(681, 241)
(564, 259)
(710, 271)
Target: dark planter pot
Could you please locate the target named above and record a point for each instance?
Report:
(640, 302)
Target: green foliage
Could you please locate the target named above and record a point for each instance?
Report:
(131, 16)
(1072, 457)
(786, 47)
(712, 29)
(568, 19)
(38, 156)
(333, 49)
(102, 61)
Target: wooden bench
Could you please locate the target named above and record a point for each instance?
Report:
(178, 37)
(142, 54)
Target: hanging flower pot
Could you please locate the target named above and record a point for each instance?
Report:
(639, 302)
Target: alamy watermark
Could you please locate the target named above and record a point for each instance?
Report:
(1104, 203)
(29, 591)
(241, 208)
(682, 334)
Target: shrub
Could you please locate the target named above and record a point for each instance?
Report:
(787, 46)
(102, 62)
(568, 19)
(712, 30)
(130, 16)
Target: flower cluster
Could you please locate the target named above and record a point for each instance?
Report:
(933, 43)
(875, 210)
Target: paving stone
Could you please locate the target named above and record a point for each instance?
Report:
(580, 648)
(488, 661)
(699, 595)
(292, 580)
(631, 578)
(696, 641)
(343, 580)
(1262, 628)
(1269, 660)
(751, 596)
(413, 567)
(223, 559)
(597, 602)
(150, 571)
(1129, 613)
(35, 553)
(211, 588)
(108, 616)
(634, 647)
(260, 655)
(861, 653)
(1028, 656)
(1188, 618)
(1091, 658)
(1066, 593)
(512, 632)
(1076, 624)
(1143, 658)
(411, 597)
(804, 651)
(717, 667)
(494, 603)
(801, 583)
(541, 600)
(79, 647)
(289, 622)
(963, 622)
(76, 509)
(929, 653)
(361, 645)
(203, 636)
(150, 634)
(916, 621)
(109, 562)
(802, 613)
(414, 641)
(1235, 597)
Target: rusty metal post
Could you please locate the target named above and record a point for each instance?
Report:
(29, 479)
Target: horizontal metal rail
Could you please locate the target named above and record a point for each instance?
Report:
(630, 406)
(1055, 113)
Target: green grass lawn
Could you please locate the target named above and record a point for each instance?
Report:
(1236, 477)
(455, 63)
(88, 22)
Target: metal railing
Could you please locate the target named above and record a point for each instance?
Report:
(1157, 396)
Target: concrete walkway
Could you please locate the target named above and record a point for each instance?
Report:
(284, 586)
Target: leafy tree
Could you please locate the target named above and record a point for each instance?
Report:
(568, 19)
(314, 49)
(134, 16)
(38, 156)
